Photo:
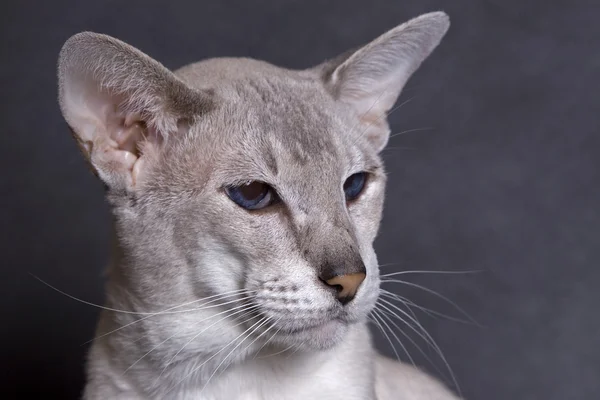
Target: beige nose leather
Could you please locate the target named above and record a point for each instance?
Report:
(349, 284)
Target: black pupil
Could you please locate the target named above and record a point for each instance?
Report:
(253, 190)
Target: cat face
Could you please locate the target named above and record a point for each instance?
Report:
(235, 176)
(299, 149)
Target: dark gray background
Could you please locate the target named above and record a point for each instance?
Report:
(506, 180)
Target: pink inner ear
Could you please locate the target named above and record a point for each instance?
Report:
(128, 136)
(131, 139)
(131, 133)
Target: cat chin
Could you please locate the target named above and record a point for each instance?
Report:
(320, 337)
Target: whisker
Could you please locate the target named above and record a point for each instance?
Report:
(213, 356)
(377, 318)
(279, 352)
(387, 265)
(389, 148)
(194, 324)
(386, 115)
(433, 292)
(162, 312)
(409, 131)
(416, 322)
(431, 341)
(363, 115)
(408, 304)
(117, 310)
(268, 341)
(399, 298)
(202, 307)
(385, 312)
(433, 272)
(381, 315)
(298, 347)
(265, 320)
(428, 311)
(415, 344)
(393, 110)
(264, 344)
(245, 311)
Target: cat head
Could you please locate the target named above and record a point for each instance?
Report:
(237, 178)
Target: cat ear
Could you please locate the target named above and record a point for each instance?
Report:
(121, 105)
(371, 78)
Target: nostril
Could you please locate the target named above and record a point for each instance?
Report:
(338, 288)
(345, 300)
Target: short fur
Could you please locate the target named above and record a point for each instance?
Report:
(191, 271)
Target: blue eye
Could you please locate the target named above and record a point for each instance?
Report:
(252, 195)
(354, 185)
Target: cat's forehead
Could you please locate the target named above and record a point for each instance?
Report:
(266, 117)
(256, 94)
(272, 125)
(292, 119)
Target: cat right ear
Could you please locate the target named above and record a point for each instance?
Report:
(370, 79)
(121, 105)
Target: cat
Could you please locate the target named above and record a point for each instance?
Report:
(245, 200)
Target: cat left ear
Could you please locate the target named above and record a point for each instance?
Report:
(371, 78)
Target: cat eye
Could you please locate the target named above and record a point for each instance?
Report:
(354, 185)
(253, 195)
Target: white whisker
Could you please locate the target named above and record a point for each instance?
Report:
(381, 317)
(430, 340)
(264, 321)
(376, 319)
(277, 353)
(244, 311)
(428, 311)
(268, 341)
(431, 272)
(416, 322)
(123, 311)
(194, 324)
(399, 298)
(213, 356)
(351, 132)
(163, 312)
(433, 292)
(386, 312)
(386, 115)
(409, 131)
(387, 265)
(298, 347)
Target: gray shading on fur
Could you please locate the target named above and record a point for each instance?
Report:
(207, 300)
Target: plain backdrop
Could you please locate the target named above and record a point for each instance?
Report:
(498, 171)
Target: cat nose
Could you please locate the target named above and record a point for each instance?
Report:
(346, 285)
